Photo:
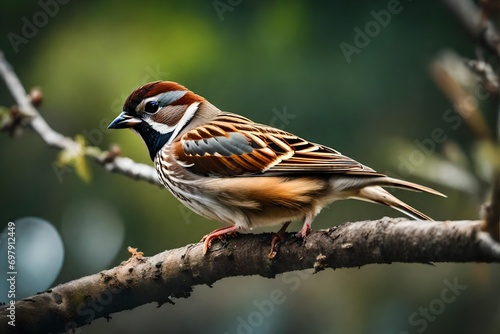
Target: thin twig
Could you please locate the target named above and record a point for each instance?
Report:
(475, 21)
(485, 73)
(120, 165)
(482, 30)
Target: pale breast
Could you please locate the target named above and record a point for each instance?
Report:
(190, 189)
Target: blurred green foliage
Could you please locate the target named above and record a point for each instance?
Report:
(261, 59)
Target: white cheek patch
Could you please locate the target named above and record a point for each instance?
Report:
(188, 115)
(159, 127)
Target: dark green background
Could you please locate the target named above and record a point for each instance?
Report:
(261, 58)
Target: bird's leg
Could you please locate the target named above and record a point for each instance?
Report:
(306, 228)
(277, 237)
(219, 233)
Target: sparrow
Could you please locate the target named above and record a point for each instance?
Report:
(230, 169)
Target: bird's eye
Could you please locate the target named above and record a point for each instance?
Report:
(151, 107)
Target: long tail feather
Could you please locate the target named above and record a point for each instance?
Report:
(381, 196)
(396, 183)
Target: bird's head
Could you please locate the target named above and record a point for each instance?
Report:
(159, 111)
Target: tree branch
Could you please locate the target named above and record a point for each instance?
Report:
(475, 21)
(108, 160)
(174, 273)
(476, 24)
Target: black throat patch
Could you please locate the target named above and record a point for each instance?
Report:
(153, 139)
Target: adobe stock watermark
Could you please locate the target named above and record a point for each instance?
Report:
(364, 35)
(89, 308)
(281, 118)
(152, 74)
(421, 318)
(223, 6)
(95, 136)
(31, 26)
(264, 309)
(186, 213)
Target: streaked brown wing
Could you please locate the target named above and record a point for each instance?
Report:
(231, 145)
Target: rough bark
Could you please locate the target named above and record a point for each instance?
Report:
(174, 273)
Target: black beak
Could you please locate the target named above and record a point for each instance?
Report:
(124, 121)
